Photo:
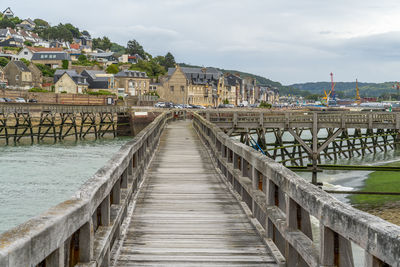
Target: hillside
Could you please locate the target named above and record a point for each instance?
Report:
(348, 89)
(283, 90)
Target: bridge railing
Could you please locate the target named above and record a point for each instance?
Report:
(29, 107)
(260, 117)
(283, 203)
(82, 230)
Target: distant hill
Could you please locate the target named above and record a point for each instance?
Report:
(348, 89)
(283, 90)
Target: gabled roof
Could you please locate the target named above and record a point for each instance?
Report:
(131, 73)
(94, 74)
(21, 65)
(77, 78)
(104, 54)
(8, 11)
(30, 21)
(51, 56)
(45, 49)
(4, 32)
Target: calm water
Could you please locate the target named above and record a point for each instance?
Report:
(35, 178)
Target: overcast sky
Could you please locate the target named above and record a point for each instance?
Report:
(286, 41)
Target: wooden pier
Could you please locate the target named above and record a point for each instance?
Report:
(57, 122)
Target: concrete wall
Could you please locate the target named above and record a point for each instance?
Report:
(52, 98)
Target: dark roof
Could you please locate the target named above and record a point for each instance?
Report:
(78, 79)
(51, 56)
(131, 73)
(21, 65)
(199, 76)
(92, 74)
(71, 73)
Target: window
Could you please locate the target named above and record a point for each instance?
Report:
(17, 77)
(183, 88)
(172, 88)
(26, 53)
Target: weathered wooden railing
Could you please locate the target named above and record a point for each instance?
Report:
(82, 230)
(328, 119)
(57, 108)
(282, 202)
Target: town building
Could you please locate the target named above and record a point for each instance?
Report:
(27, 24)
(103, 57)
(51, 59)
(99, 80)
(12, 42)
(8, 13)
(28, 51)
(132, 59)
(21, 76)
(69, 81)
(3, 80)
(132, 83)
(195, 86)
(233, 85)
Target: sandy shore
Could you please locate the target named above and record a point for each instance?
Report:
(389, 211)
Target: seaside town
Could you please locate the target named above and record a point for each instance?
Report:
(80, 66)
(119, 147)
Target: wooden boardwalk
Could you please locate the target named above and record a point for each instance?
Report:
(185, 216)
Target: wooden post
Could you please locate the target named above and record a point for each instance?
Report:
(86, 241)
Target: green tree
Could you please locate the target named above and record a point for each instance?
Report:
(3, 61)
(82, 58)
(169, 61)
(117, 48)
(133, 47)
(27, 43)
(102, 43)
(41, 23)
(6, 23)
(86, 33)
(26, 62)
(74, 31)
(65, 64)
(46, 70)
(112, 69)
(151, 67)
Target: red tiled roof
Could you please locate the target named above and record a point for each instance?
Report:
(74, 46)
(44, 49)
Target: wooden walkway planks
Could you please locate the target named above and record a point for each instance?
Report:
(185, 216)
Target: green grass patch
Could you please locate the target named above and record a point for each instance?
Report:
(379, 181)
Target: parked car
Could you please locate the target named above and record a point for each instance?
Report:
(2, 100)
(226, 106)
(20, 100)
(160, 105)
(198, 106)
(7, 99)
(32, 100)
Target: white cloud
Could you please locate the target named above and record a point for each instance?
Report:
(289, 41)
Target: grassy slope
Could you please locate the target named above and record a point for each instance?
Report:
(379, 182)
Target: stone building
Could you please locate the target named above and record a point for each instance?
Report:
(233, 85)
(3, 80)
(134, 83)
(69, 81)
(21, 76)
(99, 80)
(51, 59)
(194, 86)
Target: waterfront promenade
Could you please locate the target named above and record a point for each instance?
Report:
(185, 215)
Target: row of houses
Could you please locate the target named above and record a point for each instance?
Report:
(194, 86)
(17, 75)
(210, 87)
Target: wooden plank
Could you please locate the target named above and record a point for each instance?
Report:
(185, 215)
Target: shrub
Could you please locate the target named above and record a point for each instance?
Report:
(226, 101)
(26, 62)
(63, 92)
(65, 64)
(3, 61)
(264, 104)
(113, 69)
(37, 90)
(46, 70)
(100, 92)
(121, 98)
